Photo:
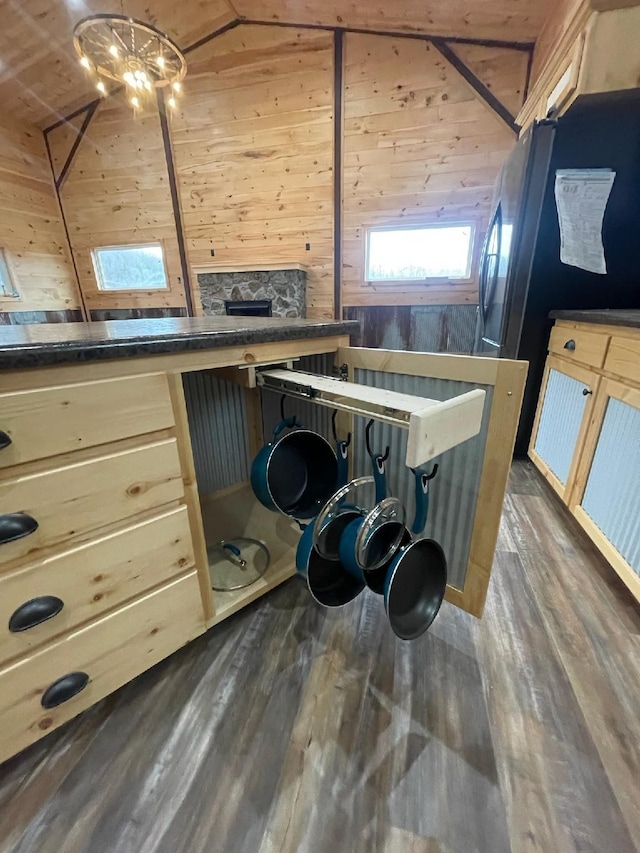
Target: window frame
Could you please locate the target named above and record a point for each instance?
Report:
(417, 226)
(129, 290)
(6, 262)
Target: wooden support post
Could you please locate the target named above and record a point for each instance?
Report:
(175, 201)
(338, 71)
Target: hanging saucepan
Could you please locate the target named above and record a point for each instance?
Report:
(328, 581)
(296, 473)
(351, 502)
(417, 576)
(370, 541)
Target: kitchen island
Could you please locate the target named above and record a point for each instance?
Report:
(125, 450)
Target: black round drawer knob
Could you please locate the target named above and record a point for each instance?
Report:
(571, 345)
(15, 525)
(35, 612)
(5, 440)
(586, 392)
(63, 689)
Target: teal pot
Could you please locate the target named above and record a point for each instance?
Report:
(414, 588)
(416, 577)
(369, 543)
(296, 473)
(327, 580)
(343, 507)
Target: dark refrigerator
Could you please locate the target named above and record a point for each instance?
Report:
(521, 276)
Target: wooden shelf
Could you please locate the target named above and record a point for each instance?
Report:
(236, 512)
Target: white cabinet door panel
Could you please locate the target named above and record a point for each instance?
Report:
(560, 422)
(612, 494)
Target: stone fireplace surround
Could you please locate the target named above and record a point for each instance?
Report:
(284, 284)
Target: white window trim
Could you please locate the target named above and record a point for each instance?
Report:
(416, 226)
(118, 290)
(4, 258)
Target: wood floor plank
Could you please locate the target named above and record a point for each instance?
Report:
(290, 728)
(599, 650)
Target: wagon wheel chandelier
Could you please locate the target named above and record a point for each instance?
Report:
(137, 55)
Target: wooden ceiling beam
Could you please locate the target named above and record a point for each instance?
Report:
(525, 46)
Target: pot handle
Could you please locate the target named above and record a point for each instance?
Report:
(342, 453)
(377, 462)
(422, 499)
(235, 555)
(380, 477)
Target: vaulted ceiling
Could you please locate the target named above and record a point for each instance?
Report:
(40, 78)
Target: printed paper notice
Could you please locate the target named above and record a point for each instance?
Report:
(581, 199)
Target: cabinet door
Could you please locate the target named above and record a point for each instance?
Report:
(606, 497)
(565, 404)
(468, 492)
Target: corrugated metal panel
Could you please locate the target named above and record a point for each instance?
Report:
(217, 424)
(421, 328)
(437, 328)
(560, 421)
(612, 496)
(454, 492)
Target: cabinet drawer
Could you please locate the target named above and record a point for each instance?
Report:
(48, 421)
(110, 652)
(72, 500)
(90, 579)
(623, 358)
(585, 347)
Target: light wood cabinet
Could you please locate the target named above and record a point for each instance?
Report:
(92, 578)
(44, 422)
(108, 652)
(116, 464)
(586, 438)
(595, 53)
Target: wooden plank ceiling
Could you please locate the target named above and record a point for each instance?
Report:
(40, 78)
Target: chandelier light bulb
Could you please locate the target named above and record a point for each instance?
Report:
(176, 86)
(101, 88)
(85, 62)
(147, 85)
(129, 78)
(135, 102)
(172, 102)
(160, 61)
(113, 50)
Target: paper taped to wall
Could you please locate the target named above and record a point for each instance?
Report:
(581, 199)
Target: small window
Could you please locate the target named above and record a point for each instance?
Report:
(6, 283)
(130, 267)
(419, 253)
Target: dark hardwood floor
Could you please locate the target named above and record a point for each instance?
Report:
(292, 729)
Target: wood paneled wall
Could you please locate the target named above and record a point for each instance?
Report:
(420, 146)
(117, 192)
(253, 149)
(31, 229)
(253, 153)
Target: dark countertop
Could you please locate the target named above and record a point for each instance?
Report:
(63, 343)
(604, 317)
